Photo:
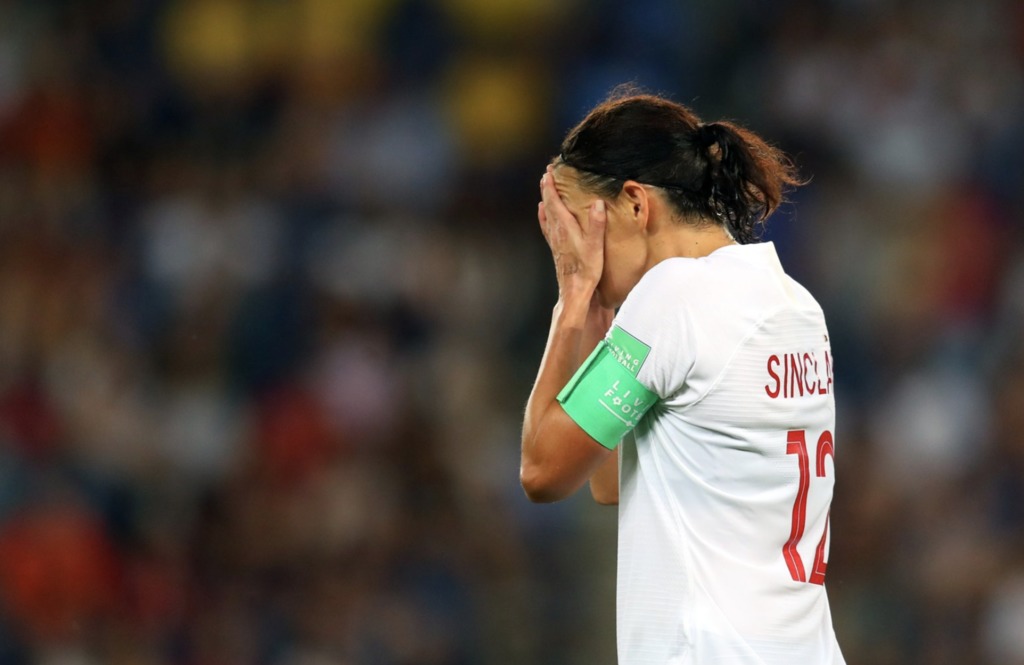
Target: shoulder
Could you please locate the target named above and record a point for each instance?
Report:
(738, 283)
(659, 309)
(709, 276)
(660, 289)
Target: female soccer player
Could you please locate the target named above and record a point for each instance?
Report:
(713, 382)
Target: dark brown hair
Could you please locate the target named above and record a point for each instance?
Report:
(717, 171)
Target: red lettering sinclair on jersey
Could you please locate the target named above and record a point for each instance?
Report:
(798, 374)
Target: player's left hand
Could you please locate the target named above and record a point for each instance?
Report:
(577, 246)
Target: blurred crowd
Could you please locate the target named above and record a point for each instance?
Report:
(272, 296)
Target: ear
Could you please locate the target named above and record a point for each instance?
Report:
(636, 203)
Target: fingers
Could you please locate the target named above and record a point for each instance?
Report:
(546, 194)
(577, 242)
(597, 219)
(555, 209)
(542, 207)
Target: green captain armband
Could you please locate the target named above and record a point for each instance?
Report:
(604, 397)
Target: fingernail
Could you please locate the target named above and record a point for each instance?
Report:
(599, 205)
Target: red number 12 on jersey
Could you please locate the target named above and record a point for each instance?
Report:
(796, 444)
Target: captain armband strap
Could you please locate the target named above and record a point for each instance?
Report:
(604, 397)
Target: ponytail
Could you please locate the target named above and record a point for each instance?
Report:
(717, 172)
(745, 177)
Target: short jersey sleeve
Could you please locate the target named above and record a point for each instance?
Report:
(643, 358)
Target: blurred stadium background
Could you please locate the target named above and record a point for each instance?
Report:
(272, 296)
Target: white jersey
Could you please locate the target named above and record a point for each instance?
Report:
(726, 483)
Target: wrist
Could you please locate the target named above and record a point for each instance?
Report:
(572, 309)
(580, 287)
(599, 318)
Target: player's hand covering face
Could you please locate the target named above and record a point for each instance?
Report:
(577, 245)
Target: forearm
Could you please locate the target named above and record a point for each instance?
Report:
(557, 455)
(599, 320)
(563, 355)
